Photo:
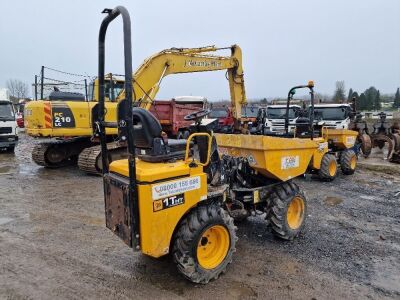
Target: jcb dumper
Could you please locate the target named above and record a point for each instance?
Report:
(173, 196)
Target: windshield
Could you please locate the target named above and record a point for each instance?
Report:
(250, 112)
(6, 111)
(218, 113)
(118, 87)
(280, 113)
(329, 113)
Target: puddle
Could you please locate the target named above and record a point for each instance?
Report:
(333, 201)
(5, 220)
(366, 197)
(5, 170)
(27, 169)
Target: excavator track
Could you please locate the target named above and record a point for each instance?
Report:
(89, 159)
(59, 153)
(38, 154)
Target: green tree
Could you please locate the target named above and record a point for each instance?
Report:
(377, 101)
(396, 103)
(370, 94)
(362, 102)
(350, 96)
(340, 92)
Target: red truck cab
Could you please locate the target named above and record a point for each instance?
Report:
(225, 119)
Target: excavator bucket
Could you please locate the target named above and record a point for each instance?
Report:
(396, 154)
(366, 144)
(379, 140)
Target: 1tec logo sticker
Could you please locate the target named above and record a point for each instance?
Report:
(168, 202)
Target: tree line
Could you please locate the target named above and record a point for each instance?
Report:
(370, 99)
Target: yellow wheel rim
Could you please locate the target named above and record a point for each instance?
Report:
(295, 212)
(213, 247)
(353, 162)
(332, 168)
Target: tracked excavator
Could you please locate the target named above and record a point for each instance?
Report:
(68, 126)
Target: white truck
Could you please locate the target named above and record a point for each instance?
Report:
(8, 124)
(335, 115)
(276, 114)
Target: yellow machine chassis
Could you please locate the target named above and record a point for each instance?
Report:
(156, 184)
(341, 138)
(274, 157)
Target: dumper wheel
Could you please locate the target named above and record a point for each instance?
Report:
(348, 162)
(288, 211)
(204, 243)
(329, 167)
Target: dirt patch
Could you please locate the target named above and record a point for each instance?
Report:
(333, 201)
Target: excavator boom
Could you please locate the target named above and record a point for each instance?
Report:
(148, 77)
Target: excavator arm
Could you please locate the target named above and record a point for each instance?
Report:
(148, 77)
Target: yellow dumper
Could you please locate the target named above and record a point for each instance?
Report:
(180, 197)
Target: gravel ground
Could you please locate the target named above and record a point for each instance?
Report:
(54, 243)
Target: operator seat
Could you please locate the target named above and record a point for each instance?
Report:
(151, 145)
(303, 127)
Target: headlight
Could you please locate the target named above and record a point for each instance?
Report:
(10, 139)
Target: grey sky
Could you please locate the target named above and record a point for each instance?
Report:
(284, 42)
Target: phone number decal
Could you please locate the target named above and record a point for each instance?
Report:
(171, 188)
(290, 162)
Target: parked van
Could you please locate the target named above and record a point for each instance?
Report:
(8, 124)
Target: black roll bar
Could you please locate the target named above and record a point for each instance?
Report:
(310, 86)
(125, 122)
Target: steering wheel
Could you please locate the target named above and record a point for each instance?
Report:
(197, 115)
